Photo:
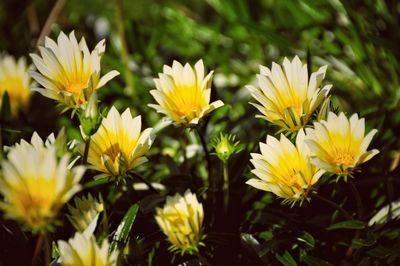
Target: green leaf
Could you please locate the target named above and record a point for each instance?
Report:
(55, 253)
(286, 259)
(308, 239)
(121, 235)
(351, 224)
(358, 243)
(97, 182)
(314, 261)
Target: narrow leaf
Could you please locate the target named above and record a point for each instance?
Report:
(121, 235)
(351, 224)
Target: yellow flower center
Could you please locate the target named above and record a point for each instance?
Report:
(113, 151)
(343, 159)
(14, 87)
(293, 180)
(75, 86)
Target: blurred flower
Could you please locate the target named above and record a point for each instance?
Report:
(67, 71)
(181, 220)
(35, 184)
(85, 211)
(338, 144)
(183, 93)
(225, 146)
(285, 169)
(119, 145)
(15, 80)
(82, 249)
(288, 99)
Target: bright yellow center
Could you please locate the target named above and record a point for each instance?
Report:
(343, 159)
(113, 151)
(293, 180)
(186, 101)
(14, 87)
(75, 86)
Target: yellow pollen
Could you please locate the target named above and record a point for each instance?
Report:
(75, 86)
(113, 151)
(343, 159)
(293, 180)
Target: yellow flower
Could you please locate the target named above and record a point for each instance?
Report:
(119, 145)
(35, 185)
(181, 220)
(15, 80)
(67, 71)
(288, 99)
(284, 169)
(338, 144)
(83, 250)
(183, 93)
(85, 211)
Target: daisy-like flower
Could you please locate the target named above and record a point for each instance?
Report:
(83, 249)
(119, 145)
(34, 184)
(285, 169)
(288, 99)
(183, 93)
(15, 80)
(67, 71)
(84, 212)
(181, 220)
(338, 144)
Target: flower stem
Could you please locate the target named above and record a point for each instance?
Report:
(342, 211)
(134, 174)
(46, 250)
(226, 186)
(356, 193)
(360, 214)
(55, 11)
(211, 181)
(86, 152)
(124, 47)
(38, 247)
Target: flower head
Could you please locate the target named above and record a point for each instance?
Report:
(183, 93)
(14, 80)
(119, 145)
(82, 249)
(67, 71)
(181, 220)
(35, 185)
(85, 211)
(284, 169)
(338, 144)
(288, 99)
(225, 146)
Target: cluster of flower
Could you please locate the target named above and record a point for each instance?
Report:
(35, 181)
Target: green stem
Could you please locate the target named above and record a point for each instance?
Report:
(342, 211)
(47, 255)
(356, 193)
(226, 186)
(38, 248)
(134, 174)
(360, 213)
(124, 47)
(211, 181)
(184, 145)
(86, 151)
